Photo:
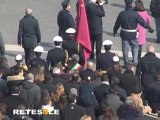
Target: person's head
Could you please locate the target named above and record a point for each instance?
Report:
(85, 117)
(107, 45)
(39, 76)
(139, 5)
(73, 91)
(48, 101)
(75, 57)
(66, 4)
(56, 70)
(28, 11)
(30, 76)
(87, 78)
(4, 61)
(150, 48)
(72, 98)
(105, 78)
(58, 92)
(109, 112)
(44, 94)
(3, 107)
(38, 51)
(70, 33)
(75, 77)
(93, 1)
(90, 65)
(130, 67)
(15, 90)
(130, 102)
(112, 90)
(18, 71)
(115, 80)
(57, 40)
(137, 89)
(128, 2)
(18, 58)
(48, 76)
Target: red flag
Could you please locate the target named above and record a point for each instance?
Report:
(83, 36)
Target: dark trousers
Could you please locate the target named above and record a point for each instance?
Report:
(139, 52)
(98, 40)
(2, 50)
(29, 55)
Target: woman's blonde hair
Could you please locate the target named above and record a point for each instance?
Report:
(58, 92)
(85, 117)
(40, 74)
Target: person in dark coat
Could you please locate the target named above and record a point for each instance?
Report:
(155, 8)
(38, 60)
(57, 55)
(95, 12)
(128, 20)
(128, 80)
(29, 35)
(152, 93)
(104, 60)
(148, 66)
(3, 85)
(30, 92)
(72, 46)
(72, 111)
(13, 101)
(65, 19)
(120, 91)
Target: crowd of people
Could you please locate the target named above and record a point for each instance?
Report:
(66, 87)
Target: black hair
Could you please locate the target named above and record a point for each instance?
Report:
(112, 90)
(15, 90)
(139, 5)
(104, 78)
(107, 47)
(38, 54)
(17, 70)
(115, 80)
(137, 89)
(56, 43)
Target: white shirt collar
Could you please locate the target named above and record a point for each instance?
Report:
(105, 82)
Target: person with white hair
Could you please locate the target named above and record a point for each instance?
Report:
(148, 66)
(95, 12)
(29, 35)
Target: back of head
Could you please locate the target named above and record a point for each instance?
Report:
(56, 70)
(17, 70)
(139, 5)
(90, 65)
(112, 90)
(3, 61)
(130, 67)
(115, 80)
(30, 76)
(104, 78)
(137, 89)
(28, 11)
(48, 76)
(15, 90)
(93, 1)
(85, 117)
(130, 101)
(150, 48)
(72, 98)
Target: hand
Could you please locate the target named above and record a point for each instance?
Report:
(151, 30)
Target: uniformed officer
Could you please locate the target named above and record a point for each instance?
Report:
(72, 46)
(65, 19)
(38, 60)
(57, 54)
(29, 35)
(104, 61)
(128, 20)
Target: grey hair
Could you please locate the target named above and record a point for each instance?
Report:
(28, 11)
(56, 70)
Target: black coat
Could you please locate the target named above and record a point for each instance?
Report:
(87, 72)
(48, 85)
(94, 14)
(104, 61)
(55, 56)
(152, 94)
(147, 67)
(128, 80)
(65, 21)
(13, 102)
(155, 8)
(29, 33)
(129, 19)
(73, 47)
(72, 112)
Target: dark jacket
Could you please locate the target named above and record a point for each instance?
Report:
(29, 33)
(57, 79)
(87, 72)
(94, 14)
(152, 94)
(104, 61)
(72, 112)
(55, 56)
(38, 61)
(72, 47)
(155, 8)
(13, 102)
(64, 21)
(129, 19)
(147, 67)
(3, 86)
(30, 92)
(128, 80)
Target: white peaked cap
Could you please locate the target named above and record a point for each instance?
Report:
(70, 30)
(38, 49)
(107, 42)
(57, 39)
(116, 59)
(19, 57)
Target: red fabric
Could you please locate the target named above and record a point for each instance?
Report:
(82, 34)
